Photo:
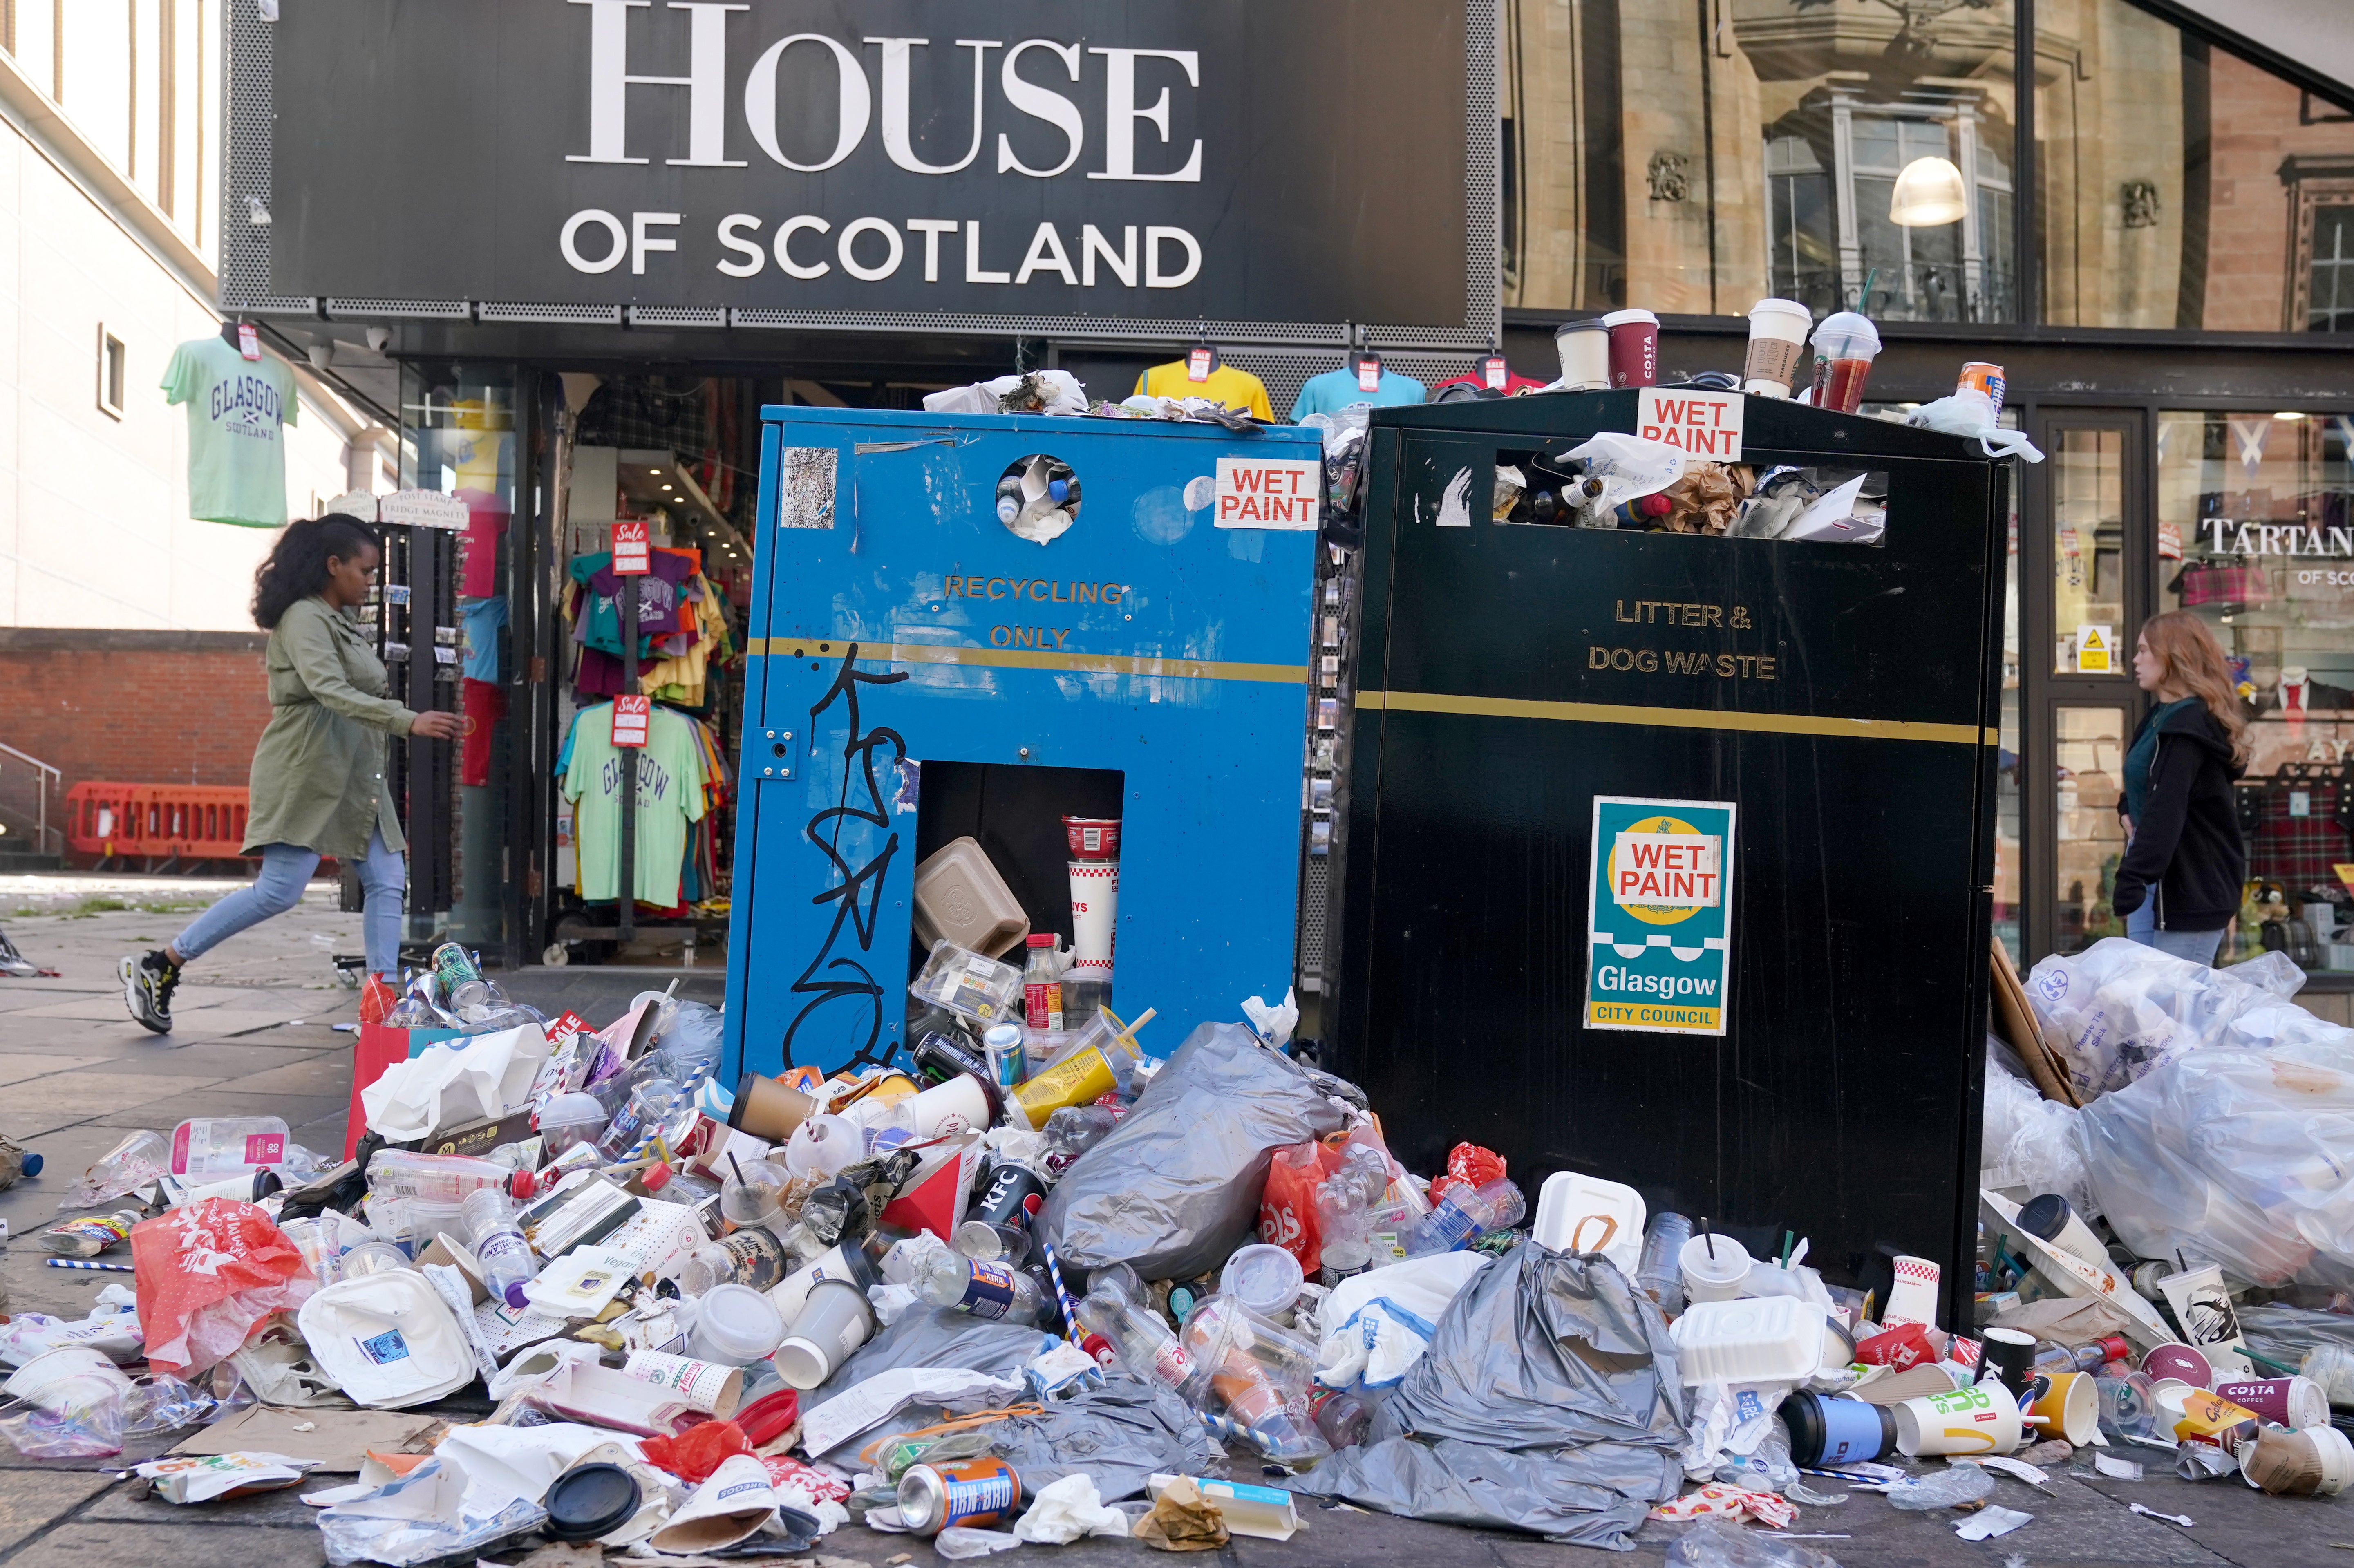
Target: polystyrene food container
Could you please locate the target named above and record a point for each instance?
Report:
(1772, 1339)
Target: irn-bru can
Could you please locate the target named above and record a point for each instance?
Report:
(974, 1492)
(1987, 378)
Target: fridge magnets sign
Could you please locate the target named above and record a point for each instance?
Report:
(1658, 919)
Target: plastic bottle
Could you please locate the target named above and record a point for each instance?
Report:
(1042, 983)
(649, 1105)
(440, 1178)
(1468, 1212)
(1143, 1344)
(497, 1240)
(1344, 1206)
(211, 1149)
(1341, 1416)
(1072, 1132)
(983, 1289)
(1659, 1274)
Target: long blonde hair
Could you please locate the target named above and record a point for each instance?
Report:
(2192, 657)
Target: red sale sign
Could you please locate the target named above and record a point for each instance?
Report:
(633, 549)
(632, 718)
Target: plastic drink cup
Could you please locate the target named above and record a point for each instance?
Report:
(1084, 1075)
(1584, 348)
(2066, 1405)
(735, 1325)
(1714, 1268)
(1634, 348)
(1095, 914)
(1845, 345)
(2128, 1404)
(1980, 1419)
(1778, 338)
(2295, 1403)
(55, 1367)
(1659, 1274)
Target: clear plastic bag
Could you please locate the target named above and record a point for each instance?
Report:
(2029, 1141)
(1721, 1544)
(2118, 1011)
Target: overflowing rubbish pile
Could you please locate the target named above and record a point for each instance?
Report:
(569, 1288)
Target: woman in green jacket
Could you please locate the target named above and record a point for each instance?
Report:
(318, 786)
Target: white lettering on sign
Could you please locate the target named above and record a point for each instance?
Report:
(1665, 871)
(1697, 424)
(1267, 493)
(632, 549)
(422, 508)
(633, 717)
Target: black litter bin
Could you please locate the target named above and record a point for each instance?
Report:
(1842, 697)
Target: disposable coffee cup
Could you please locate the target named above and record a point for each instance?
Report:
(2203, 1311)
(1634, 348)
(1825, 1431)
(1778, 338)
(2296, 1402)
(2178, 1362)
(1584, 348)
(2051, 1218)
(1914, 1297)
(1714, 1276)
(834, 1323)
(2066, 1405)
(732, 1506)
(768, 1109)
(2316, 1462)
(2011, 1355)
(707, 1386)
(1980, 1419)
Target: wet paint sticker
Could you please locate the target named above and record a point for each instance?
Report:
(1660, 916)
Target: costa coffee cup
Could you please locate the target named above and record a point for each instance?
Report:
(2296, 1402)
(2066, 1405)
(768, 1109)
(1634, 348)
(2178, 1362)
(1584, 348)
(1777, 337)
(1980, 1419)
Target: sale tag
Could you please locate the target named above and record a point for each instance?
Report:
(1697, 424)
(1369, 374)
(632, 549)
(1267, 493)
(631, 717)
(1493, 371)
(1198, 363)
(249, 339)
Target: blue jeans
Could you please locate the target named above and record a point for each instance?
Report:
(285, 869)
(2199, 946)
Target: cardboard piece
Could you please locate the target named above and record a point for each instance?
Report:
(2014, 1020)
(333, 1440)
(1264, 1511)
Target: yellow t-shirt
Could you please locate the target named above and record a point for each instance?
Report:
(1227, 387)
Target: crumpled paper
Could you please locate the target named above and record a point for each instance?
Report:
(1183, 1520)
(454, 1081)
(1067, 1510)
(1731, 1503)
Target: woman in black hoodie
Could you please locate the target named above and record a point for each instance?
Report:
(2179, 884)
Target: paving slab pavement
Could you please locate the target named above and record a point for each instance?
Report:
(254, 1038)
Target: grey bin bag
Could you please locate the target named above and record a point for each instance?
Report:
(937, 1336)
(1176, 1186)
(1120, 1434)
(1551, 1354)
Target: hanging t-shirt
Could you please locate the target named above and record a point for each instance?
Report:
(237, 457)
(1227, 386)
(1336, 389)
(670, 796)
(483, 617)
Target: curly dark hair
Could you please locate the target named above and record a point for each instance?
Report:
(297, 564)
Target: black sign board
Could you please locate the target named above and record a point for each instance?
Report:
(1131, 160)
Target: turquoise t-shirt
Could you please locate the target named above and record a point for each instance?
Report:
(236, 454)
(1336, 389)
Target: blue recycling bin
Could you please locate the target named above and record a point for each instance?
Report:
(1132, 643)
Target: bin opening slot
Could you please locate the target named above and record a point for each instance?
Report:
(1803, 504)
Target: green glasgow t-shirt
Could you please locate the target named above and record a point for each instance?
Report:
(237, 453)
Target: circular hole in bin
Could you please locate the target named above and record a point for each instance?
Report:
(779, 749)
(1037, 497)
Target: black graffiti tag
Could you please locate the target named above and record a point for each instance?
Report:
(860, 894)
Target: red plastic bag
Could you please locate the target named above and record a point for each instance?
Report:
(377, 998)
(205, 1275)
(1471, 1164)
(1287, 1205)
(695, 1453)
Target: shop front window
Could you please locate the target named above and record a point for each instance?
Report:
(1853, 155)
(2088, 524)
(2092, 837)
(2181, 186)
(2260, 509)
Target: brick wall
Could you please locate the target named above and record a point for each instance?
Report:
(139, 707)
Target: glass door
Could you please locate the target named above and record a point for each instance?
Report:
(2088, 555)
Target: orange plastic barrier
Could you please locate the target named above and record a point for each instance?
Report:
(195, 821)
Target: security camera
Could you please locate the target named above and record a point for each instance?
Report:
(377, 337)
(321, 355)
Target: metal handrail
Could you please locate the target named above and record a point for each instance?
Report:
(47, 777)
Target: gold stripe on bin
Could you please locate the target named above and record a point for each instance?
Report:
(1680, 718)
(1023, 659)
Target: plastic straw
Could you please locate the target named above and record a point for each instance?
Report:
(1708, 1239)
(1062, 1291)
(1227, 1427)
(92, 1265)
(1789, 1239)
